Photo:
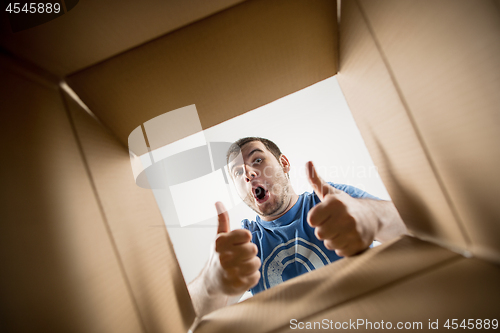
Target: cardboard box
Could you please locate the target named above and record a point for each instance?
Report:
(421, 79)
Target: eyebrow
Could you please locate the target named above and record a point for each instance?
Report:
(256, 150)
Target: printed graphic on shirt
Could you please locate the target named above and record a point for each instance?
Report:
(298, 251)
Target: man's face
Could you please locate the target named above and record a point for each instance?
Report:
(260, 180)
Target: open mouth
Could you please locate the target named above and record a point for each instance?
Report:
(260, 194)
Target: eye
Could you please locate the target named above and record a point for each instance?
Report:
(258, 160)
(237, 172)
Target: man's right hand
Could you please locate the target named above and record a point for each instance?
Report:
(234, 267)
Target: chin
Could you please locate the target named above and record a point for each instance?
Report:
(274, 209)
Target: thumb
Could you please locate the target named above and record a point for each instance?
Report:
(320, 187)
(223, 217)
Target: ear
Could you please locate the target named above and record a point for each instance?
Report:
(285, 163)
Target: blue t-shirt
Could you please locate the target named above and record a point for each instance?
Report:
(287, 246)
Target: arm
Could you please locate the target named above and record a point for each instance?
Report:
(389, 224)
(205, 301)
(232, 269)
(348, 225)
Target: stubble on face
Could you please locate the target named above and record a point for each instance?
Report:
(279, 199)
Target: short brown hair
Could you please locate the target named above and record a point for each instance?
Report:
(236, 147)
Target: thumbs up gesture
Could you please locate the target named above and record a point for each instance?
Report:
(344, 224)
(234, 267)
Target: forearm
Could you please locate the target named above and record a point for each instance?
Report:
(204, 299)
(203, 302)
(221, 284)
(388, 223)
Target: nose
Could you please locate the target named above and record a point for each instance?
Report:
(250, 173)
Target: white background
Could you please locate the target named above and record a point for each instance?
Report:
(312, 124)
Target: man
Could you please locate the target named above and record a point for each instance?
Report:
(292, 234)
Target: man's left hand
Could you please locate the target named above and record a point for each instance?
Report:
(345, 224)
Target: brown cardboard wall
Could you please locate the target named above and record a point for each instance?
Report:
(430, 72)
(390, 135)
(403, 280)
(137, 229)
(461, 289)
(60, 271)
(444, 60)
(96, 30)
(227, 64)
